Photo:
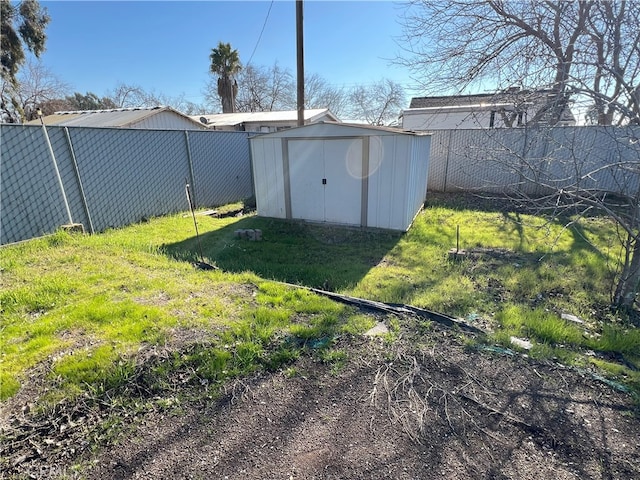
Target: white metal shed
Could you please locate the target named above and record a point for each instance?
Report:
(341, 174)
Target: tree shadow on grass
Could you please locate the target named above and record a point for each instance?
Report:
(512, 211)
(579, 232)
(321, 256)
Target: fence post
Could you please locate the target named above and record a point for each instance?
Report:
(55, 166)
(543, 160)
(446, 163)
(523, 161)
(77, 172)
(191, 175)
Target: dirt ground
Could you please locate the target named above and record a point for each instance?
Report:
(424, 407)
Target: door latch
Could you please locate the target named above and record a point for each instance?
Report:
(324, 181)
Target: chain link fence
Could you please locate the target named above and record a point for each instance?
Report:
(111, 177)
(534, 160)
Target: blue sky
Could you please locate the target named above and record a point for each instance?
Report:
(165, 46)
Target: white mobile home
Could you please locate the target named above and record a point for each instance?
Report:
(264, 122)
(511, 108)
(341, 174)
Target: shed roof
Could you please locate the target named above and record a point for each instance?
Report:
(349, 129)
(118, 117)
(231, 119)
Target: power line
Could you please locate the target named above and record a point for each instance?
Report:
(261, 32)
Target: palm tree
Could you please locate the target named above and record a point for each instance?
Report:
(226, 63)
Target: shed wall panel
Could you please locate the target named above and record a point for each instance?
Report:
(381, 184)
(268, 177)
(418, 176)
(401, 153)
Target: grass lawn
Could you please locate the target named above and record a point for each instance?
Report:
(85, 309)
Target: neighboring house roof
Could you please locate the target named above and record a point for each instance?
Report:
(231, 119)
(510, 98)
(118, 117)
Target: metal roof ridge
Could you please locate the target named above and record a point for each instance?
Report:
(108, 110)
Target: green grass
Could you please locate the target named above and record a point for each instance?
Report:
(85, 305)
(336, 358)
(358, 324)
(619, 340)
(543, 326)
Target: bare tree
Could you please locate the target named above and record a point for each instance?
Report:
(264, 89)
(377, 104)
(586, 50)
(129, 96)
(134, 96)
(191, 108)
(609, 62)
(34, 88)
(319, 93)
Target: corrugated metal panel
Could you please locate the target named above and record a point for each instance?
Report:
(400, 160)
(418, 176)
(118, 118)
(268, 177)
(55, 119)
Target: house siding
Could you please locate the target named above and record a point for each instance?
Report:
(165, 121)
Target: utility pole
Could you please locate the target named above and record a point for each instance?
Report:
(300, 62)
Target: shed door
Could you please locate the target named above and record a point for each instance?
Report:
(306, 169)
(326, 180)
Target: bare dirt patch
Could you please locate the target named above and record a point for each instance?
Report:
(423, 407)
(439, 411)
